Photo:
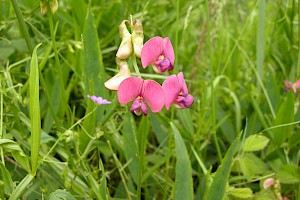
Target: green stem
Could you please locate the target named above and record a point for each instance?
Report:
(136, 67)
(23, 28)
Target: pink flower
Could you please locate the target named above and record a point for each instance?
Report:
(176, 92)
(142, 93)
(159, 52)
(98, 100)
(294, 87)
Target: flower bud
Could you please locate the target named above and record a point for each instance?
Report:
(125, 48)
(137, 37)
(114, 82)
(53, 6)
(44, 7)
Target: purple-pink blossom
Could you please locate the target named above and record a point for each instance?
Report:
(98, 100)
(159, 52)
(142, 93)
(176, 92)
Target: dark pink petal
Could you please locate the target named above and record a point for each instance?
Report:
(98, 100)
(153, 95)
(181, 80)
(151, 50)
(129, 89)
(172, 87)
(168, 51)
(144, 108)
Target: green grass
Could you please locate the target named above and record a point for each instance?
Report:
(242, 128)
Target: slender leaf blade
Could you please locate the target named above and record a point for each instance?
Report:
(183, 171)
(35, 118)
(217, 188)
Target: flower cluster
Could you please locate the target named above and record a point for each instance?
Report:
(157, 52)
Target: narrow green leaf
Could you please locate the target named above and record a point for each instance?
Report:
(16, 151)
(94, 186)
(260, 56)
(21, 187)
(61, 195)
(185, 117)
(217, 188)
(93, 77)
(130, 145)
(183, 171)
(34, 110)
(255, 143)
(6, 178)
(284, 115)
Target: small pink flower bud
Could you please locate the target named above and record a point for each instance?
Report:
(268, 183)
(137, 37)
(114, 82)
(125, 49)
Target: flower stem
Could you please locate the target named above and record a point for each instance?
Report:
(23, 28)
(136, 67)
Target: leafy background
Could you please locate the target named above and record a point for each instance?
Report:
(242, 128)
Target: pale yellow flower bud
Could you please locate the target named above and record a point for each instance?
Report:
(137, 37)
(53, 6)
(125, 48)
(114, 82)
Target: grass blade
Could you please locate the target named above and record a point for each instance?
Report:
(183, 173)
(284, 115)
(34, 111)
(217, 188)
(21, 187)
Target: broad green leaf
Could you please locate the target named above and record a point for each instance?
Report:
(250, 165)
(284, 115)
(255, 143)
(35, 118)
(289, 174)
(242, 193)
(16, 151)
(6, 178)
(21, 187)
(217, 188)
(183, 169)
(130, 146)
(61, 195)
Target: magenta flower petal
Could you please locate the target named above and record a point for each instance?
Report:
(168, 51)
(153, 95)
(129, 89)
(151, 50)
(182, 83)
(98, 100)
(172, 88)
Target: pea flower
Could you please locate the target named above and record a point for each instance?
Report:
(114, 82)
(294, 86)
(98, 100)
(159, 52)
(176, 92)
(142, 93)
